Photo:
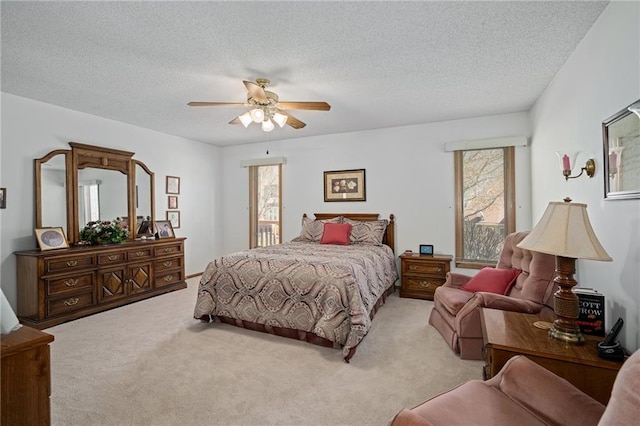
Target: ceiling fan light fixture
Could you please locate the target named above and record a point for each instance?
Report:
(257, 115)
(280, 119)
(245, 119)
(267, 125)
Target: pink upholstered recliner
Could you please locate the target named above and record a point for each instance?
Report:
(524, 393)
(456, 313)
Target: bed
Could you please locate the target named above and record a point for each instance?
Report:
(326, 294)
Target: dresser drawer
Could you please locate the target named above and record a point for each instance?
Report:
(167, 278)
(417, 267)
(73, 283)
(140, 253)
(64, 264)
(70, 303)
(168, 249)
(168, 264)
(111, 258)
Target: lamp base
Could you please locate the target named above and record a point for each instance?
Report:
(571, 336)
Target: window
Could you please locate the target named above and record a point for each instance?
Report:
(485, 199)
(265, 205)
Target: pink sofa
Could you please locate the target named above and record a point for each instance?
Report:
(524, 393)
(455, 313)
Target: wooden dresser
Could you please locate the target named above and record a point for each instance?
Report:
(56, 286)
(26, 377)
(422, 274)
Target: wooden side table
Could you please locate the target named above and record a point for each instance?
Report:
(507, 334)
(422, 274)
(26, 377)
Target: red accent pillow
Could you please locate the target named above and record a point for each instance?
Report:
(492, 280)
(336, 233)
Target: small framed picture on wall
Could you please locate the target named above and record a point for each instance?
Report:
(173, 185)
(173, 201)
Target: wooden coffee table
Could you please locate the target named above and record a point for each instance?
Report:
(507, 334)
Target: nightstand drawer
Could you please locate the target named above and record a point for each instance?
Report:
(425, 284)
(432, 268)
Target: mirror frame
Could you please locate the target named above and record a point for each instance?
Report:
(38, 162)
(609, 193)
(82, 156)
(152, 191)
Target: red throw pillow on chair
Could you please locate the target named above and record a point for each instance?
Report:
(492, 280)
(336, 233)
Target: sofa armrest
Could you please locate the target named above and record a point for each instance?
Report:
(455, 280)
(507, 303)
(545, 394)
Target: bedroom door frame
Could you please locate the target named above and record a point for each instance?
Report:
(255, 205)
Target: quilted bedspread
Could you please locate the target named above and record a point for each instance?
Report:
(327, 290)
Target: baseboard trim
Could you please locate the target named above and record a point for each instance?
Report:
(197, 274)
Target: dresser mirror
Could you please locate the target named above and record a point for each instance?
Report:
(88, 183)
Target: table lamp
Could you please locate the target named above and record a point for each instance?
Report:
(565, 231)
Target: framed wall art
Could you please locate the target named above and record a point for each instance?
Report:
(164, 229)
(173, 185)
(621, 147)
(174, 217)
(172, 202)
(345, 185)
(51, 238)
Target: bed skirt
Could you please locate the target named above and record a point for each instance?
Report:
(297, 334)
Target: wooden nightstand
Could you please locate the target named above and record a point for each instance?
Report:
(421, 274)
(507, 334)
(26, 377)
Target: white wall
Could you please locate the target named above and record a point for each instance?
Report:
(408, 173)
(31, 129)
(600, 78)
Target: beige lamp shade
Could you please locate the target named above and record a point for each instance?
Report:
(565, 230)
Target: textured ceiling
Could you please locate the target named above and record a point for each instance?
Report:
(379, 64)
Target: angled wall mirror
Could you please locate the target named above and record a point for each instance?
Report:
(621, 143)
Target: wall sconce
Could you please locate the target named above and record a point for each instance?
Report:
(635, 108)
(568, 161)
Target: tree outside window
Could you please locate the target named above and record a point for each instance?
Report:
(484, 205)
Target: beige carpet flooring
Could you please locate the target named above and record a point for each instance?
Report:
(151, 363)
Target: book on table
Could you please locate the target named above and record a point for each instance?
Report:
(591, 316)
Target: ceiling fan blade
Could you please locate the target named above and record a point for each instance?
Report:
(292, 121)
(255, 91)
(214, 103)
(235, 121)
(318, 106)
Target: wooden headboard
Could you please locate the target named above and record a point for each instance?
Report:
(389, 235)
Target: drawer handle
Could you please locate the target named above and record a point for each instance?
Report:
(139, 253)
(70, 282)
(168, 249)
(412, 267)
(424, 283)
(168, 278)
(72, 263)
(113, 257)
(168, 263)
(71, 301)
